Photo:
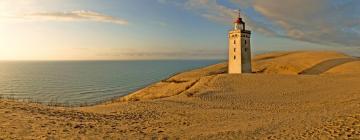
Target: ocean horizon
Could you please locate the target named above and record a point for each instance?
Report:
(88, 82)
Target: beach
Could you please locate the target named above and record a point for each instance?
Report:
(289, 95)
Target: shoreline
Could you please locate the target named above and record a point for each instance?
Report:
(122, 98)
(106, 101)
(206, 103)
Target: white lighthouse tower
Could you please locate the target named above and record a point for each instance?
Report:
(239, 48)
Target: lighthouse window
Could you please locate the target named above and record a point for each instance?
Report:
(245, 42)
(245, 49)
(234, 57)
(234, 41)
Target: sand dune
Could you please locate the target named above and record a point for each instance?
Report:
(345, 68)
(290, 95)
(293, 62)
(283, 63)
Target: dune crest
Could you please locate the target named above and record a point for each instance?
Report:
(283, 63)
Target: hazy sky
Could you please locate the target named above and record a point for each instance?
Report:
(170, 29)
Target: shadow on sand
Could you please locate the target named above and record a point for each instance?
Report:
(327, 65)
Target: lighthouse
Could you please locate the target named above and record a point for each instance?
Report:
(239, 48)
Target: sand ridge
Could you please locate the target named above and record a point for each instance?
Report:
(280, 63)
(290, 95)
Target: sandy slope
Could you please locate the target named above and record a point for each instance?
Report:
(280, 63)
(291, 95)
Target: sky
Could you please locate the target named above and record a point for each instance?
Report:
(171, 29)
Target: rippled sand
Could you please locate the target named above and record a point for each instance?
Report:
(290, 95)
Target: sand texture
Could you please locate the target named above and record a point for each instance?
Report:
(290, 95)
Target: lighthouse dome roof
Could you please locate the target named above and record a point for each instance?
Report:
(238, 20)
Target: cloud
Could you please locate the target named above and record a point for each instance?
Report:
(214, 11)
(326, 22)
(320, 21)
(162, 1)
(81, 15)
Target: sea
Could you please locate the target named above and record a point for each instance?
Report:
(76, 83)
